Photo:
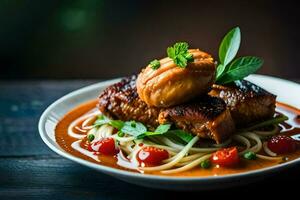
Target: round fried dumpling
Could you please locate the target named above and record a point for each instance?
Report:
(170, 84)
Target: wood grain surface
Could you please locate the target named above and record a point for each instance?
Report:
(29, 170)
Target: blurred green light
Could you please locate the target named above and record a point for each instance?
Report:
(74, 19)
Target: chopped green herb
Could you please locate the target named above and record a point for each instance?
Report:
(90, 137)
(120, 134)
(155, 64)
(250, 155)
(205, 164)
(179, 54)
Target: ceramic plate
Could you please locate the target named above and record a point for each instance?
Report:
(286, 91)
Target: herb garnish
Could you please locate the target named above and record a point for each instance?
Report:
(182, 135)
(228, 70)
(161, 129)
(90, 137)
(139, 130)
(250, 155)
(102, 119)
(179, 54)
(154, 64)
(205, 164)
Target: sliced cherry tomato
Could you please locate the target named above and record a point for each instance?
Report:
(282, 144)
(152, 155)
(105, 146)
(228, 157)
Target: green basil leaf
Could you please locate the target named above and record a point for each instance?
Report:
(148, 134)
(134, 128)
(220, 70)
(230, 46)
(185, 136)
(163, 128)
(102, 119)
(118, 124)
(240, 68)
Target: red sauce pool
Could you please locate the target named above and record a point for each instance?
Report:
(291, 127)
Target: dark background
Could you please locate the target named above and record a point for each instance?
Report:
(57, 39)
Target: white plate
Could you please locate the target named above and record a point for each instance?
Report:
(287, 92)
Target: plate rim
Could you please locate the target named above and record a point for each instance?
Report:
(114, 171)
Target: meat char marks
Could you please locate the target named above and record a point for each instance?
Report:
(121, 101)
(206, 116)
(247, 102)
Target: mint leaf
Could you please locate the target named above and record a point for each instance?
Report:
(240, 68)
(230, 46)
(134, 128)
(118, 124)
(163, 128)
(220, 70)
(102, 119)
(184, 136)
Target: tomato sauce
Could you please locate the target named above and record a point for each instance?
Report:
(289, 128)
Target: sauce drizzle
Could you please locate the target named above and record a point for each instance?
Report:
(71, 144)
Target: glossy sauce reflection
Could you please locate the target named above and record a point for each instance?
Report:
(291, 127)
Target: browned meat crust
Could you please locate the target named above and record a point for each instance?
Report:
(178, 85)
(207, 117)
(121, 101)
(247, 102)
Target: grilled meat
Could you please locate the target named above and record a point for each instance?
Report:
(247, 102)
(121, 101)
(206, 117)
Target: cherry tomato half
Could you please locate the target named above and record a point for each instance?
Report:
(282, 144)
(152, 155)
(105, 146)
(228, 157)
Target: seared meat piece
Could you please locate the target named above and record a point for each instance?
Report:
(206, 117)
(247, 102)
(121, 101)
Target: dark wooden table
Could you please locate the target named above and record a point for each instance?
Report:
(29, 170)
